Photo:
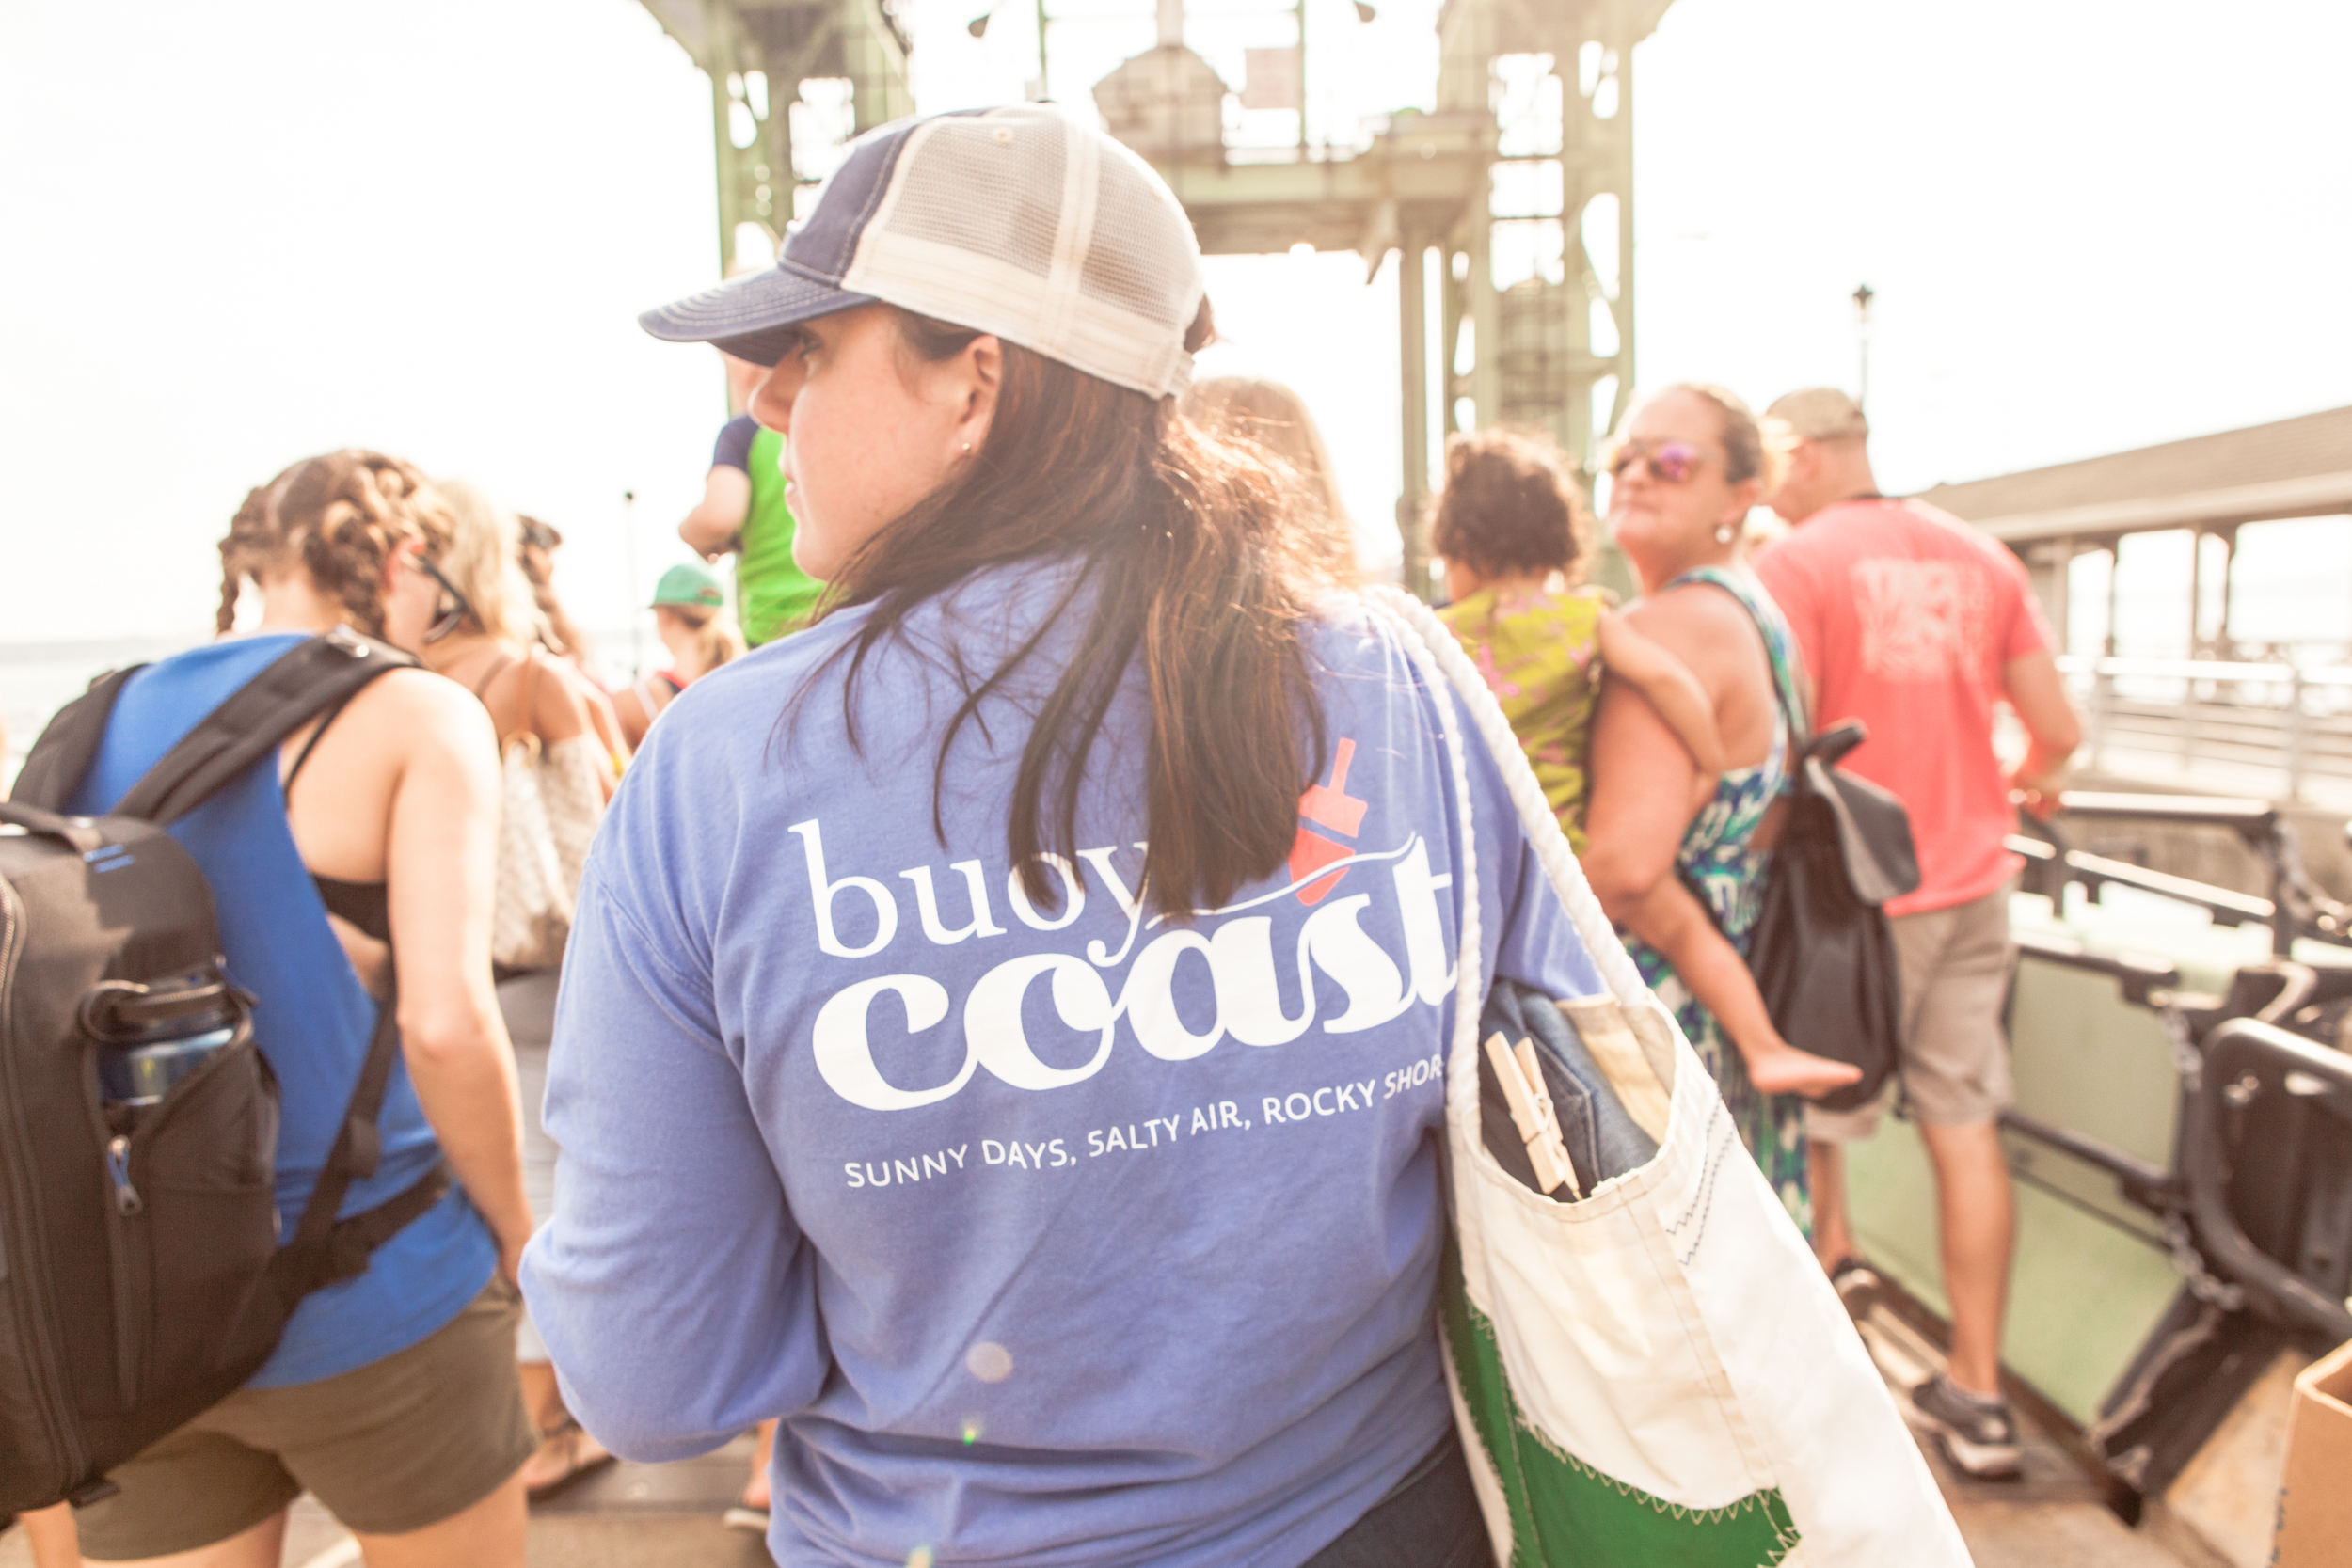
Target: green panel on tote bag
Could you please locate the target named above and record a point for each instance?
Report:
(1567, 1515)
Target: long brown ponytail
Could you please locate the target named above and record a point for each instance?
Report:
(337, 517)
(1194, 562)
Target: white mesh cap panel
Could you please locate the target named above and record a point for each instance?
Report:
(958, 187)
(1022, 223)
(1144, 258)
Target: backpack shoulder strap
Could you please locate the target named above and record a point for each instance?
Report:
(1779, 646)
(54, 768)
(306, 680)
(324, 1250)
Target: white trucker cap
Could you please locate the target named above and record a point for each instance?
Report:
(1017, 221)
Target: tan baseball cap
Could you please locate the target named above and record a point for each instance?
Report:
(1020, 221)
(1819, 413)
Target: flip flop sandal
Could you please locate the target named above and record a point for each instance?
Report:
(1857, 1284)
(569, 1434)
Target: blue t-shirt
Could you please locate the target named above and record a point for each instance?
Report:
(1056, 1232)
(733, 450)
(312, 1024)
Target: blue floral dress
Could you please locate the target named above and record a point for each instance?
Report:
(1715, 861)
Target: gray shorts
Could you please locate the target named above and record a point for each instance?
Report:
(390, 1448)
(1953, 1063)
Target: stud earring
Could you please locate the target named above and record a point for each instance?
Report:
(1722, 533)
(967, 448)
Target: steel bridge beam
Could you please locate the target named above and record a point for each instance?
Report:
(783, 43)
(1519, 351)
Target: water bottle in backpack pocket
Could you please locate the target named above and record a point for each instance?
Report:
(187, 1110)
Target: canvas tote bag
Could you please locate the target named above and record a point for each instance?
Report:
(1647, 1367)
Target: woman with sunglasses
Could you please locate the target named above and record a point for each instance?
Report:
(1510, 526)
(1001, 1019)
(392, 1397)
(1684, 471)
(490, 635)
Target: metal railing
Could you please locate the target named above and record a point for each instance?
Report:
(2206, 715)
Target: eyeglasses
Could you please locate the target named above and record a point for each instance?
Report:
(447, 616)
(1671, 463)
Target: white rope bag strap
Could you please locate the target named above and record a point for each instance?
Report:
(1455, 680)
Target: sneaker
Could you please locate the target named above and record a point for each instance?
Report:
(1979, 1436)
(1857, 1285)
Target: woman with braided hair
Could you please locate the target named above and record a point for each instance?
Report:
(392, 1397)
(1678, 863)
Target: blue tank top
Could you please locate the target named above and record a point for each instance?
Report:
(312, 1025)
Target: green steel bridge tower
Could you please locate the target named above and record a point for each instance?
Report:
(1509, 203)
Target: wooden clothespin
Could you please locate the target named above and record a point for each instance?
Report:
(1522, 1080)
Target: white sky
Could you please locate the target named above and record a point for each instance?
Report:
(239, 233)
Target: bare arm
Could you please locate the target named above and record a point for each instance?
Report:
(606, 724)
(570, 703)
(2038, 692)
(629, 707)
(441, 858)
(712, 526)
(1642, 781)
(1632, 655)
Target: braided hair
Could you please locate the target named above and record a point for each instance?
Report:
(338, 517)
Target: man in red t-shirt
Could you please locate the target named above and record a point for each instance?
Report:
(1918, 626)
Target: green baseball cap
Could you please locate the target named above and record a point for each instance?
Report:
(687, 583)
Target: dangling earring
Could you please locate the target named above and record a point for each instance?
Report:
(1722, 533)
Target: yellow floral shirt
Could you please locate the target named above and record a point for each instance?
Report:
(1540, 655)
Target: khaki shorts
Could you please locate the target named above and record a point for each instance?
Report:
(1955, 965)
(389, 1447)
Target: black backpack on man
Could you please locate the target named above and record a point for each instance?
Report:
(141, 1274)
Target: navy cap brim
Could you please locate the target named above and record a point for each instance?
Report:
(746, 316)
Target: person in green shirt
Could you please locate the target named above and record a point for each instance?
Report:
(742, 511)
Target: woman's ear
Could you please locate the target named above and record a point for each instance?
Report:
(1744, 497)
(397, 564)
(980, 376)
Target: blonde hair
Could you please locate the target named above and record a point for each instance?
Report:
(483, 560)
(717, 638)
(540, 541)
(1273, 418)
(1746, 454)
(338, 517)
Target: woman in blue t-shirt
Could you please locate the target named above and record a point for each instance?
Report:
(392, 1397)
(1001, 1030)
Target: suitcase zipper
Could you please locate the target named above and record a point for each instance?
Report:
(30, 1263)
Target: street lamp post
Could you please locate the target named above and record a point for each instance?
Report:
(1863, 295)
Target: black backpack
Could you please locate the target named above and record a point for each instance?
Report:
(1822, 952)
(141, 1274)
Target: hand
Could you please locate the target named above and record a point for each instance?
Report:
(2038, 798)
(510, 1261)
